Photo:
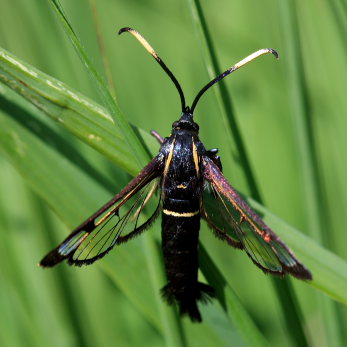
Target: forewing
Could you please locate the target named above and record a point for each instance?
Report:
(238, 219)
(129, 213)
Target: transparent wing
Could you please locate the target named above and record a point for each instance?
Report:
(236, 219)
(218, 217)
(128, 214)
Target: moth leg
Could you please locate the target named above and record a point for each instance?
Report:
(157, 136)
(212, 154)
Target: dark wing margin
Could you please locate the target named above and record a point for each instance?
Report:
(236, 222)
(95, 237)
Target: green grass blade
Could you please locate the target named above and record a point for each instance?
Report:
(101, 44)
(229, 301)
(131, 139)
(329, 271)
(79, 115)
(315, 202)
(291, 311)
(66, 288)
(227, 114)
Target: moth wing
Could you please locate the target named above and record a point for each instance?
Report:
(218, 217)
(124, 214)
(246, 228)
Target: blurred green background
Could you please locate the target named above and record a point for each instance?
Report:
(289, 114)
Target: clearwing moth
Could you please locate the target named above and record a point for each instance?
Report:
(178, 182)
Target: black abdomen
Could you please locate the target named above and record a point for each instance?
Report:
(180, 237)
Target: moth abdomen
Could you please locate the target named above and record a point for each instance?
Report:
(180, 237)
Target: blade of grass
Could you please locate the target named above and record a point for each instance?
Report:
(101, 43)
(18, 300)
(314, 198)
(229, 301)
(291, 311)
(132, 140)
(223, 98)
(339, 9)
(79, 115)
(328, 270)
(84, 335)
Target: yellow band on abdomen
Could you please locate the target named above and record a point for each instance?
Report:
(181, 214)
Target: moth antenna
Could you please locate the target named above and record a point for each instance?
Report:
(152, 52)
(232, 69)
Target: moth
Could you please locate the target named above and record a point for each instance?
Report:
(179, 182)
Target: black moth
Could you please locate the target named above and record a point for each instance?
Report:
(178, 182)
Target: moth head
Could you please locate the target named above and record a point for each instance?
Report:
(186, 122)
